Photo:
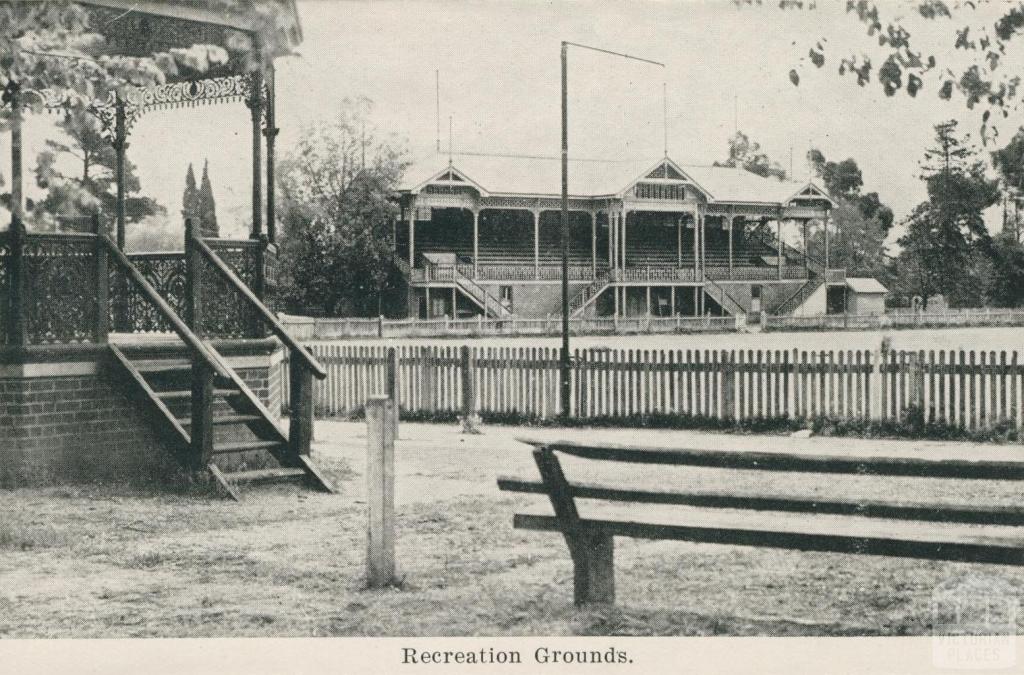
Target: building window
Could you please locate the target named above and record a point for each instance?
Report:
(506, 296)
(755, 292)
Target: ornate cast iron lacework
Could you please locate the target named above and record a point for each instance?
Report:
(60, 279)
(130, 310)
(225, 313)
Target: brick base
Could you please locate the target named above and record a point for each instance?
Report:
(80, 427)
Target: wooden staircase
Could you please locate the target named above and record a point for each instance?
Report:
(201, 407)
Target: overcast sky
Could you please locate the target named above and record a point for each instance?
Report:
(499, 80)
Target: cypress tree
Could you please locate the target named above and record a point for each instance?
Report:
(207, 208)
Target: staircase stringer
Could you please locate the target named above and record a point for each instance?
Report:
(180, 439)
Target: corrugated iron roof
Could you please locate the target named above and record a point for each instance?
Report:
(542, 176)
(865, 285)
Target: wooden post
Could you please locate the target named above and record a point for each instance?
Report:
(16, 321)
(536, 244)
(391, 382)
(915, 381)
(476, 245)
(102, 284)
(201, 429)
(300, 431)
(193, 280)
(728, 387)
(467, 365)
(592, 551)
(381, 415)
(257, 328)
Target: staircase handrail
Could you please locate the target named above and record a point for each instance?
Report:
(276, 327)
(800, 296)
(179, 326)
(737, 308)
(487, 297)
(767, 238)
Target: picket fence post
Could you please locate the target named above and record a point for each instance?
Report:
(382, 428)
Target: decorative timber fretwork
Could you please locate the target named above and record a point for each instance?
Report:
(748, 210)
(541, 203)
(660, 191)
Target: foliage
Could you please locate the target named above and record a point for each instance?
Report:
(856, 242)
(1004, 278)
(981, 40)
(50, 45)
(94, 189)
(337, 213)
(746, 153)
(198, 204)
(946, 237)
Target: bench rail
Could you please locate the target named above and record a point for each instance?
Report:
(591, 540)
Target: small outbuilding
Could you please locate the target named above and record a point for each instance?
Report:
(865, 295)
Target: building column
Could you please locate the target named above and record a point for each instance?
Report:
(255, 103)
(679, 241)
(593, 244)
(696, 251)
(476, 243)
(536, 244)
(412, 235)
(730, 222)
(611, 242)
(625, 218)
(778, 239)
(827, 262)
(615, 294)
(696, 310)
(672, 300)
(455, 313)
(806, 262)
(426, 299)
(648, 301)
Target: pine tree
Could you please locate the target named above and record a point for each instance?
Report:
(207, 207)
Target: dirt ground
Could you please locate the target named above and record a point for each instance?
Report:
(105, 561)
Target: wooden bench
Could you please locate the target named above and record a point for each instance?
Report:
(907, 529)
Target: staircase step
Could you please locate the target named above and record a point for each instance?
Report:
(223, 420)
(163, 366)
(246, 446)
(187, 393)
(264, 475)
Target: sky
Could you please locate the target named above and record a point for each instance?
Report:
(498, 67)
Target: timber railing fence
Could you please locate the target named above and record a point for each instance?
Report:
(972, 390)
(332, 329)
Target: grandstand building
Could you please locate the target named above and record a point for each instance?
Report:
(480, 235)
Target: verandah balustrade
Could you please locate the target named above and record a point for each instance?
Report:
(51, 291)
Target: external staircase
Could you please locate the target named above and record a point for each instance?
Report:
(200, 406)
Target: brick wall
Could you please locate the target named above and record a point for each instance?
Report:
(57, 429)
(82, 428)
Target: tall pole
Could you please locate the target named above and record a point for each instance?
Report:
(564, 360)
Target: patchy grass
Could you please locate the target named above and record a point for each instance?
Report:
(109, 561)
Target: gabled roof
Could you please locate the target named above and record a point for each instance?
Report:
(542, 177)
(865, 285)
